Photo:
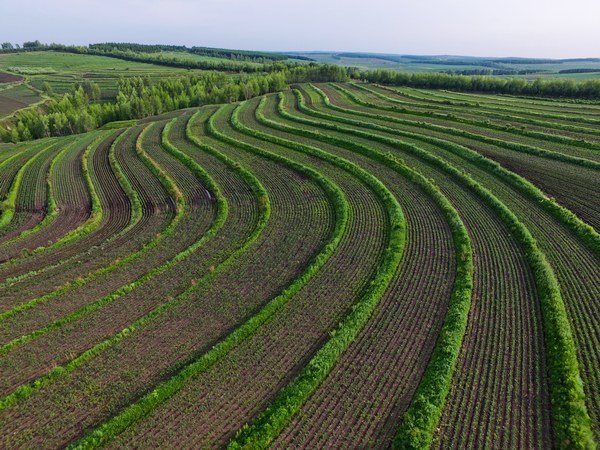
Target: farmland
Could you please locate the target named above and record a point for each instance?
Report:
(333, 265)
(60, 70)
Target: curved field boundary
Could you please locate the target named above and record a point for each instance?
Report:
(582, 230)
(27, 390)
(484, 124)
(10, 150)
(108, 430)
(31, 203)
(170, 186)
(481, 109)
(565, 216)
(438, 376)
(51, 208)
(136, 216)
(495, 103)
(95, 218)
(136, 206)
(269, 423)
(528, 149)
(12, 165)
(7, 207)
(589, 151)
(570, 418)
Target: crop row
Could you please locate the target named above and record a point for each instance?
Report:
(143, 340)
(473, 131)
(368, 268)
(585, 232)
(475, 221)
(574, 264)
(569, 218)
(418, 226)
(516, 117)
(571, 143)
(348, 115)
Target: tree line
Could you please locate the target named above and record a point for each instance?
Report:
(589, 89)
(231, 60)
(79, 110)
(493, 72)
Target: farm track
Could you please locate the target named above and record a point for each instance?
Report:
(333, 266)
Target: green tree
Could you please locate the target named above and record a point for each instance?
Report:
(47, 88)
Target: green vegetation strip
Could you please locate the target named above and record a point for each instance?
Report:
(440, 102)
(288, 402)
(51, 208)
(7, 207)
(27, 390)
(486, 124)
(523, 148)
(571, 422)
(136, 214)
(507, 113)
(96, 215)
(126, 418)
(434, 386)
(174, 191)
(582, 230)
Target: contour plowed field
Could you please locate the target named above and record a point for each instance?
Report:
(332, 266)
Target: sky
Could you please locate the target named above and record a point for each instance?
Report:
(528, 28)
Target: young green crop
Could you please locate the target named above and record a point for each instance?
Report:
(111, 428)
(570, 417)
(583, 231)
(528, 149)
(434, 386)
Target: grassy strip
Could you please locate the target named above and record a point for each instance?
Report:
(523, 148)
(489, 102)
(7, 207)
(180, 210)
(96, 214)
(486, 124)
(483, 108)
(435, 384)
(117, 424)
(133, 196)
(288, 402)
(571, 421)
(25, 391)
(51, 209)
(582, 230)
(135, 217)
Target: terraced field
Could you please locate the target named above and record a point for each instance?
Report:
(332, 266)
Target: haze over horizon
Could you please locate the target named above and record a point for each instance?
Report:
(537, 28)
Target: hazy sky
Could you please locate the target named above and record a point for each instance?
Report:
(542, 28)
